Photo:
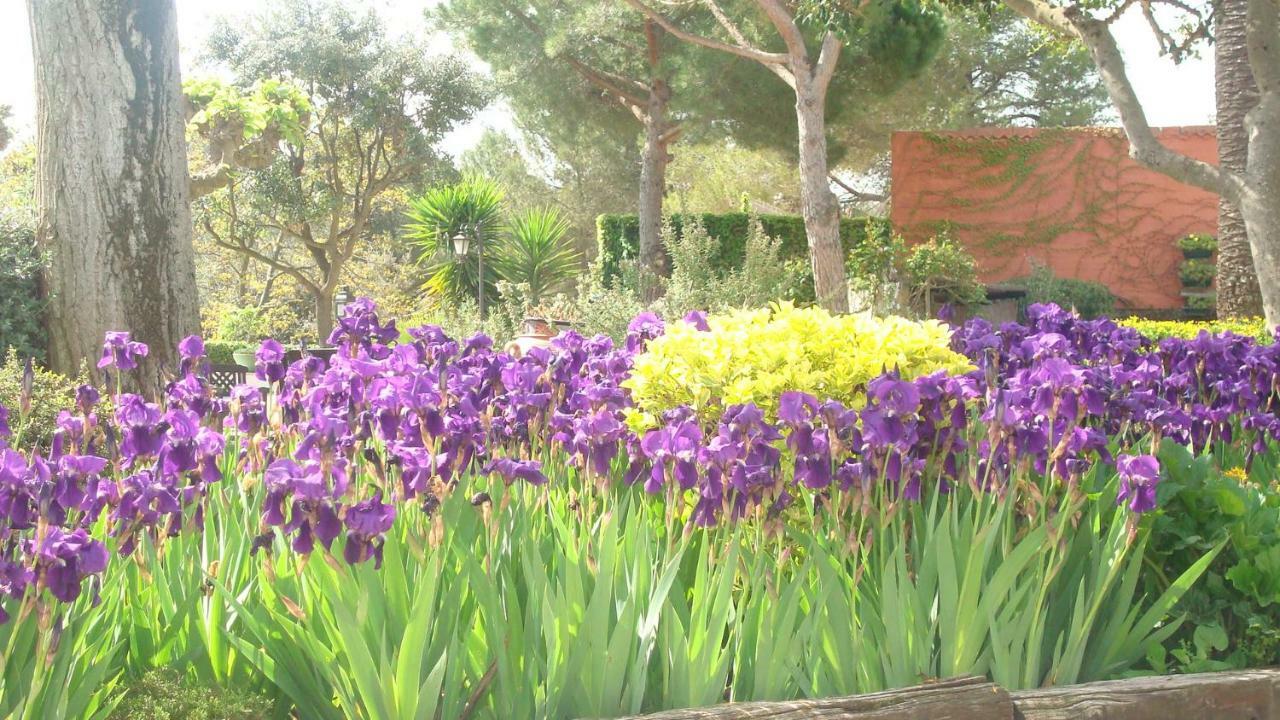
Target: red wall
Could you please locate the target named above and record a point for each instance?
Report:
(1070, 199)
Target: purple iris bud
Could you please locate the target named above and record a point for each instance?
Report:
(120, 352)
(87, 397)
(5, 432)
(1139, 476)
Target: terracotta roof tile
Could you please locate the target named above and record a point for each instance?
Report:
(1021, 132)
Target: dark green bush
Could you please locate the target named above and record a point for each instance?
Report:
(619, 238)
(20, 263)
(1090, 299)
(1196, 273)
(161, 695)
(1198, 246)
(1233, 612)
(219, 351)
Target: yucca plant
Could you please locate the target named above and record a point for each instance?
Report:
(472, 206)
(537, 254)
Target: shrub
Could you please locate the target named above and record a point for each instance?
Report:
(1198, 246)
(697, 283)
(752, 356)
(1186, 329)
(242, 326)
(20, 263)
(220, 352)
(537, 254)
(874, 268)
(1089, 299)
(618, 238)
(162, 695)
(940, 271)
(1196, 273)
(50, 393)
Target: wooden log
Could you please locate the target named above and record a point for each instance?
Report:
(970, 698)
(1246, 695)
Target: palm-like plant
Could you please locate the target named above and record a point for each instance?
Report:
(472, 206)
(537, 254)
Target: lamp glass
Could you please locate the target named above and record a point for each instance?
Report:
(461, 243)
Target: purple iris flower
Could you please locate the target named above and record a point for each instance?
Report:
(120, 352)
(269, 363)
(367, 524)
(139, 422)
(1139, 476)
(191, 354)
(698, 319)
(510, 470)
(63, 559)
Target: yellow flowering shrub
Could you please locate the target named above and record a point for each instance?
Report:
(1187, 329)
(753, 356)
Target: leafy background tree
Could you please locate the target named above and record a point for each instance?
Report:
(379, 108)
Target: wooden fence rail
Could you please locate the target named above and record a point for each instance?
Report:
(1247, 695)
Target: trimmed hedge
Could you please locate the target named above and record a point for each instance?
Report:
(219, 351)
(618, 237)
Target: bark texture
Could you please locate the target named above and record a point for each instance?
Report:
(819, 205)
(1237, 283)
(111, 179)
(653, 186)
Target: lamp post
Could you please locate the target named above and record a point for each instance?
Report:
(341, 300)
(462, 243)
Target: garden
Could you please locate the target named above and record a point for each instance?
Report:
(750, 505)
(480, 359)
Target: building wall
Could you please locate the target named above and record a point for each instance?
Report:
(1071, 199)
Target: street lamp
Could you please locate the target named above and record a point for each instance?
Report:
(341, 300)
(462, 243)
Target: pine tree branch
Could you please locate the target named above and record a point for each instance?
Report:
(750, 53)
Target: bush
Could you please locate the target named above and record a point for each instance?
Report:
(618, 237)
(20, 262)
(698, 283)
(1196, 273)
(50, 393)
(753, 356)
(1198, 246)
(874, 268)
(242, 326)
(220, 352)
(1089, 299)
(940, 271)
(162, 695)
(1186, 329)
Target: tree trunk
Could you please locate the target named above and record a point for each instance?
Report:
(324, 314)
(111, 179)
(1260, 206)
(820, 208)
(653, 186)
(1238, 294)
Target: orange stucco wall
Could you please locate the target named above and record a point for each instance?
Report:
(1069, 199)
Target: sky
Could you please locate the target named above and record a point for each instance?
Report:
(1171, 94)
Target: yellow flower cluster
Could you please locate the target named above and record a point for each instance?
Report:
(1187, 329)
(753, 356)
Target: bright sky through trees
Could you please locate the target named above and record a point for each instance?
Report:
(1172, 94)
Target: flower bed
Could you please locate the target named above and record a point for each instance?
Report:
(434, 528)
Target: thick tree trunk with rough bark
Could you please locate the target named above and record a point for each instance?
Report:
(653, 185)
(111, 179)
(819, 206)
(1238, 294)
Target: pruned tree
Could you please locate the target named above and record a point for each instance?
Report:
(802, 44)
(113, 205)
(1255, 189)
(377, 109)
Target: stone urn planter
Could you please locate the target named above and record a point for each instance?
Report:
(244, 357)
(535, 332)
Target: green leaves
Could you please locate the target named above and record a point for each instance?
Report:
(537, 254)
(471, 208)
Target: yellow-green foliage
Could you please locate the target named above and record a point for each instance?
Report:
(752, 356)
(1161, 329)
